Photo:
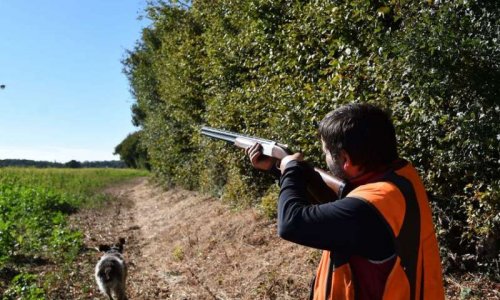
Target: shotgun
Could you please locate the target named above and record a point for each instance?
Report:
(320, 184)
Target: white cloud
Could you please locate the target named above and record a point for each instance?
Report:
(59, 154)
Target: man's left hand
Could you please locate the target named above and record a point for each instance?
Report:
(296, 156)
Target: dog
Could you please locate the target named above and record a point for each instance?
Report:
(111, 271)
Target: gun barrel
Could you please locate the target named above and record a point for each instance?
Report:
(232, 136)
(219, 134)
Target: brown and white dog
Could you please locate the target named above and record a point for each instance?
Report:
(111, 271)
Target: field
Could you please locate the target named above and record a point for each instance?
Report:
(34, 231)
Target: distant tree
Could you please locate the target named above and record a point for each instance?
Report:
(73, 164)
(132, 153)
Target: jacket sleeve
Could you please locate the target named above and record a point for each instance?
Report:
(336, 225)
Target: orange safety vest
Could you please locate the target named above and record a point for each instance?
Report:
(401, 200)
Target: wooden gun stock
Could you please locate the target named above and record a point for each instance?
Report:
(334, 183)
(320, 190)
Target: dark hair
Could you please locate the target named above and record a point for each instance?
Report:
(364, 131)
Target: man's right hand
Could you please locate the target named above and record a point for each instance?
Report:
(258, 160)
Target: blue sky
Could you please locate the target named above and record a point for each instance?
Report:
(65, 96)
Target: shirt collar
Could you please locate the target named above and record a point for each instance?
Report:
(378, 175)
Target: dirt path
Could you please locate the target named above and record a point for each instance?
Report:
(183, 245)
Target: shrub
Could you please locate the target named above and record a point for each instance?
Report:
(268, 205)
(132, 152)
(24, 286)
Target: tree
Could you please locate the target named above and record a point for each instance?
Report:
(74, 164)
(132, 152)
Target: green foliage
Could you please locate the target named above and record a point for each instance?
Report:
(268, 202)
(31, 216)
(24, 286)
(238, 192)
(170, 92)
(178, 253)
(274, 68)
(132, 152)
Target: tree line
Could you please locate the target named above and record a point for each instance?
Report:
(274, 68)
(69, 164)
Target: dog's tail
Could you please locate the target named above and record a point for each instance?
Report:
(110, 270)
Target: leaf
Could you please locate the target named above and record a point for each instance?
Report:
(383, 10)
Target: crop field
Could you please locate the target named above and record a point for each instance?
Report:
(34, 206)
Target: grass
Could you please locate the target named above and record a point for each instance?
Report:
(34, 205)
(82, 183)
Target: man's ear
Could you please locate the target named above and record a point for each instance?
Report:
(349, 168)
(345, 160)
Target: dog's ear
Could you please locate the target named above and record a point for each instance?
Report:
(104, 248)
(120, 244)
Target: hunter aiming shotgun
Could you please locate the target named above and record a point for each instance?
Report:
(321, 185)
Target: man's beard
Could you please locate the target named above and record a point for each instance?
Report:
(337, 170)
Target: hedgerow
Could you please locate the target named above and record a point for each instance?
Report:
(274, 68)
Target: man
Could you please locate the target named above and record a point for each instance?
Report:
(378, 239)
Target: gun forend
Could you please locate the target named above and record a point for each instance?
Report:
(269, 148)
